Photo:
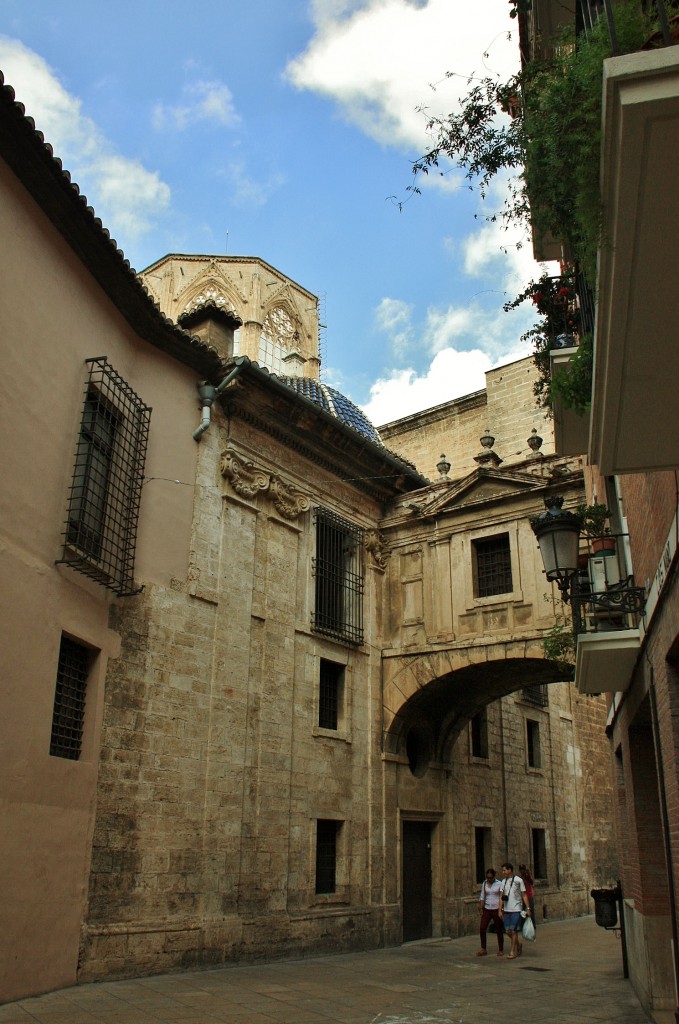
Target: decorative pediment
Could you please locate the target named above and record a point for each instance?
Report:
(281, 294)
(249, 480)
(484, 484)
(210, 283)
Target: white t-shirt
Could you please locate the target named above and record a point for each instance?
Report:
(513, 888)
(490, 894)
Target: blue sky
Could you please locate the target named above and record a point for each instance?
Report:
(285, 129)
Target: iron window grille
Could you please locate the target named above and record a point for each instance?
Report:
(100, 533)
(68, 715)
(326, 855)
(338, 568)
(538, 696)
(492, 566)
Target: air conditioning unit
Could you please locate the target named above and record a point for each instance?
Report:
(603, 571)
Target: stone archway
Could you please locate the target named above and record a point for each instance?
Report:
(438, 692)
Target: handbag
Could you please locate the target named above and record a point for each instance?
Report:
(528, 930)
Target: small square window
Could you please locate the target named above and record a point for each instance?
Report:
(533, 744)
(330, 694)
(492, 566)
(68, 715)
(327, 832)
(538, 696)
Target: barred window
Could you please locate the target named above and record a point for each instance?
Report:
(327, 832)
(338, 568)
(103, 506)
(538, 696)
(331, 686)
(492, 566)
(68, 715)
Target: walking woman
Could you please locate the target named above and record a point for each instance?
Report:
(489, 908)
(524, 871)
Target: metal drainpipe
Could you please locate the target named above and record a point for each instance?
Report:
(208, 393)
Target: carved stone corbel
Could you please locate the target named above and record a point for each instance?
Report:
(246, 479)
(288, 500)
(376, 548)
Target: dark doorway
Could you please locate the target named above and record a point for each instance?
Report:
(417, 923)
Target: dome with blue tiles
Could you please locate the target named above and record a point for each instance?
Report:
(335, 403)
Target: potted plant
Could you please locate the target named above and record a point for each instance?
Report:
(595, 519)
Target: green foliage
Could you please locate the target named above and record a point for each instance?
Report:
(562, 111)
(594, 519)
(544, 126)
(551, 140)
(560, 645)
(573, 384)
(554, 299)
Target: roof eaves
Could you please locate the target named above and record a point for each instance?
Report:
(262, 374)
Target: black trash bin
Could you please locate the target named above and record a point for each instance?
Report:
(605, 907)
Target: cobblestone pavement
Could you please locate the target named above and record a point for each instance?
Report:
(571, 975)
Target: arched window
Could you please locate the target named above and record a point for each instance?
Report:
(276, 339)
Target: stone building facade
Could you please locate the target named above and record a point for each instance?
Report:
(315, 705)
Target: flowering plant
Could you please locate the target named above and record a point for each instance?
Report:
(559, 325)
(555, 300)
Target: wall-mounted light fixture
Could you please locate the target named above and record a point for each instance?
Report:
(558, 535)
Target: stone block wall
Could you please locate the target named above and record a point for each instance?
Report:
(507, 408)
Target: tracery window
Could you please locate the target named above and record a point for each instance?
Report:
(275, 341)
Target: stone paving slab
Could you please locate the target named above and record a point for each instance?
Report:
(571, 975)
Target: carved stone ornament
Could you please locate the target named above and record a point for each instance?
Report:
(248, 481)
(288, 500)
(375, 546)
(245, 478)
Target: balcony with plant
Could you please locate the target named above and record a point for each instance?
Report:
(607, 605)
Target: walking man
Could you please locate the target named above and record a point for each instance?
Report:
(514, 900)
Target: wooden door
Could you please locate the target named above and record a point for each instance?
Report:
(417, 917)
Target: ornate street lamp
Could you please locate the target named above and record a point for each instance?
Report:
(558, 535)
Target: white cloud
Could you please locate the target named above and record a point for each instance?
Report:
(125, 193)
(393, 317)
(248, 190)
(451, 374)
(382, 59)
(462, 340)
(202, 101)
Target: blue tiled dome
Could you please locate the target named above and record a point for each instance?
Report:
(335, 403)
